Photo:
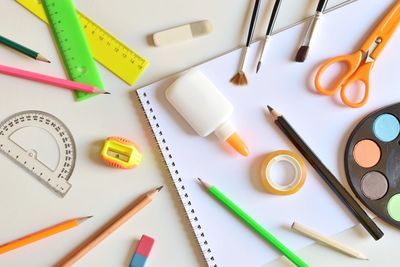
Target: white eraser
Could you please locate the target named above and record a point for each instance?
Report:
(182, 33)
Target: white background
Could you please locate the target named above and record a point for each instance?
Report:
(27, 206)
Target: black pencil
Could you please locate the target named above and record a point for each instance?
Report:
(325, 174)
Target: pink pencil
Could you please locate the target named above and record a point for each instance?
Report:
(50, 80)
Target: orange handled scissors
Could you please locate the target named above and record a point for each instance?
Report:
(360, 63)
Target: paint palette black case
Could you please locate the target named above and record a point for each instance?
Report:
(365, 178)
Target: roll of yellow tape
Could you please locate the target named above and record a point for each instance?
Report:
(296, 182)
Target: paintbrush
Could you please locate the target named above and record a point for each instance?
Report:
(240, 77)
(271, 24)
(303, 50)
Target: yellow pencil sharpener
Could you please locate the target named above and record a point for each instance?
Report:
(119, 152)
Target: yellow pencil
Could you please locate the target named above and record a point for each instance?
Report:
(52, 230)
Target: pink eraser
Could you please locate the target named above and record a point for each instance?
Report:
(145, 245)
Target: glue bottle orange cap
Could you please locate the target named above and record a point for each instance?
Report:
(204, 107)
(227, 132)
(237, 143)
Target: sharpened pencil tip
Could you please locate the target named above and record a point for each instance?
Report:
(204, 184)
(42, 58)
(159, 188)
(201, 182)
(100, 91)
(82, 219)
(272, 112)
(258, 66)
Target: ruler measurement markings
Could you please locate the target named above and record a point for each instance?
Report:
(42, 172)
(127, 68)
(102, 36)
(72, 44)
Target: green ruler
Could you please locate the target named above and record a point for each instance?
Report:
(72, 44)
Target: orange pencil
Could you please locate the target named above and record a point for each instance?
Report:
(52, 230)
(104, 232)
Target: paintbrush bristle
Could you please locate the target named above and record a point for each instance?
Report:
(239, 79)
(258, 66)
(302, 53)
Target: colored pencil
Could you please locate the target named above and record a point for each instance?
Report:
(328, 241)
(240, 77)
(22, 49)
(268, 34)
(255, 226)
(303, 50)
(36, 236)
(109, 228)
(326, 175)
(38, 77)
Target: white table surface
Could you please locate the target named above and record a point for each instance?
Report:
(26, 208)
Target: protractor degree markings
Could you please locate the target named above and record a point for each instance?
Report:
(41, 144)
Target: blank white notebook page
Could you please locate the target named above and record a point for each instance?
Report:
(322, 121)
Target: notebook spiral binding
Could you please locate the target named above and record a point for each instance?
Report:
(177, 180)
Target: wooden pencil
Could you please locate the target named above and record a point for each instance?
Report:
(326, 175)
(23, 49)
(328, 241)
(42, 234)
(104, 232)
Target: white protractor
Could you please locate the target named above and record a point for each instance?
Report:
(43, 145)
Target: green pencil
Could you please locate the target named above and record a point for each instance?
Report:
(253, 224)
(24, 50)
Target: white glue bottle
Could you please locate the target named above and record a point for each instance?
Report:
(204, 107)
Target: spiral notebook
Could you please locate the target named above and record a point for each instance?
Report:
(321, 121)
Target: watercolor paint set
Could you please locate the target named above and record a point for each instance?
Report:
(372, 162)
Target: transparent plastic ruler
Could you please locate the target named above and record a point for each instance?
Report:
(72, 44)
(43, 145)
(106, 49)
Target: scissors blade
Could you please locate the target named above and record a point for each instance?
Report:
(375, 43)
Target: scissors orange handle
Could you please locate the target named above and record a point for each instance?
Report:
(352, 61)
(356, 71)
(360, 75)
